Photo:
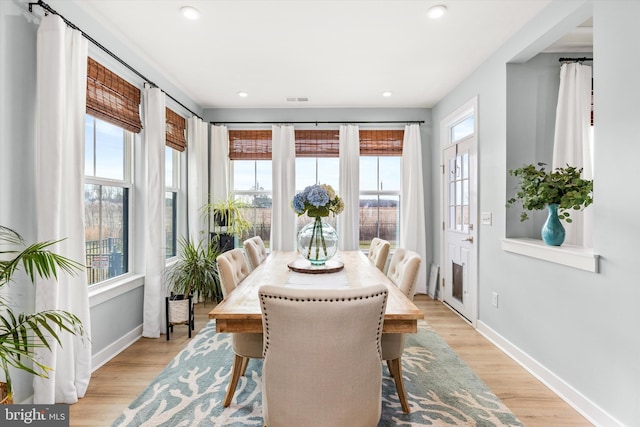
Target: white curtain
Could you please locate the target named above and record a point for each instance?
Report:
(348, 220)
(154, 143)
(198, 177)
(412, 219)
(61, 105)
(283, 218)
(573, 140)
(219, 163)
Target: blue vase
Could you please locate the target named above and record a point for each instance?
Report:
(552, 230)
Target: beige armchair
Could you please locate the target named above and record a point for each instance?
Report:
(403, 271)
(378, 252)
(256, 252)
(322, 356)
(232, 269)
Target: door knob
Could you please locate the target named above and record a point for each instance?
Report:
(468, 239)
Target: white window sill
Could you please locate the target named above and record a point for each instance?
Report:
(103, 292)
(572, 256)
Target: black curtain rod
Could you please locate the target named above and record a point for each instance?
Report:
(48, 8)
(575, 59)
(318, 122)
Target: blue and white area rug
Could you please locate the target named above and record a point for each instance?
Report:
(441, 389)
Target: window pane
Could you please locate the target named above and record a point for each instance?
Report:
(106, 228)
(462, 129)
(109, 153)
(368, 173)
(168, 166)
(244, 174)
(89, 127)
(305, 172)
(170, 214)
(329, 171)
(389, 173)
(258, 213)
(252, 184)
(263, 175)
(379, 217)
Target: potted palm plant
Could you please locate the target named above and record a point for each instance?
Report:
(21, 333)
(559, 191)
(194, 273)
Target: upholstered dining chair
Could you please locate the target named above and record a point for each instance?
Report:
(403, 272)
(378, 252)
(256, 252)
(232, 269)
(322, 356)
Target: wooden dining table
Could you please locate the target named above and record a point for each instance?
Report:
(240, 310)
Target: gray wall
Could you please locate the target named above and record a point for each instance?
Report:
(17, 150)
(113, 318)
(580, 326)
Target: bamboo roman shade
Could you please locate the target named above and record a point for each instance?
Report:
(317, 143)
(256, 144)
(176, 125)
(111, 98)
(250, 144)
(381, 142)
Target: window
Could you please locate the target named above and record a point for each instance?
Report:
(380, 199)
(172, 180)
(462, 129)
(107, 187)
(252, 184)
(317, 161)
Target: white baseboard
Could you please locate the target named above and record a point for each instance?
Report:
(566, 392)
(111, 351)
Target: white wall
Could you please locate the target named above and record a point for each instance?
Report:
(579, 326)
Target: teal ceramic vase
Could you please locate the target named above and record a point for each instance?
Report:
(317, 241)
(552, 230)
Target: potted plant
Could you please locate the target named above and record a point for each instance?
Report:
(559, 191)
(21, 333)
(195, 272)
(228, 214)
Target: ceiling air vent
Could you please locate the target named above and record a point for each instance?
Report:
(297, 99)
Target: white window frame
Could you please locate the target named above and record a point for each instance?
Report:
(128, 184)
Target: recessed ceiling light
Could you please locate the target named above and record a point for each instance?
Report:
(190, 12)
(243, 94)
(436, 12)
(387, 94)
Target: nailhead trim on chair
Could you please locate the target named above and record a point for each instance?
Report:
(314, 299)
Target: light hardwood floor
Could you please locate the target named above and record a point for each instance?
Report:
(117, 383)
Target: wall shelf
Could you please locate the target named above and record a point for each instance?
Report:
(572, 256)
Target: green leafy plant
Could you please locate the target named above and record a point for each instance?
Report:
(538, 188)
(229, 213)
(195, 271)
(21, 333)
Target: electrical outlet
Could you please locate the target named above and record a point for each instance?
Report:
(494, 299)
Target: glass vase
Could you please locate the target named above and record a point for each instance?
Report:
(317, 241)
(552, 230)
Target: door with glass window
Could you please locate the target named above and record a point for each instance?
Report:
(459, 270)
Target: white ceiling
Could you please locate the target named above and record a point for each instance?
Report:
(335, 53)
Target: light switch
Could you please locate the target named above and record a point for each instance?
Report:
(486, 218)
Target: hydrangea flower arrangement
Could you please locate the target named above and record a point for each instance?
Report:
(317, 241)
(317, 200)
